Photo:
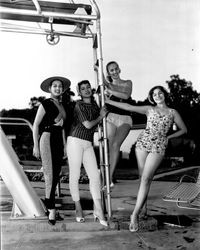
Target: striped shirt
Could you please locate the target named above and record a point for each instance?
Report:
(84, 112)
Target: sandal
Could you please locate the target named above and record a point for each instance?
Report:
(79, 218)
(134, 225)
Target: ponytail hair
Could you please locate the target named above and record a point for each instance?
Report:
(109, 78)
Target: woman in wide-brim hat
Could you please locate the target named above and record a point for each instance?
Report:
(48, 138)
(45, 85)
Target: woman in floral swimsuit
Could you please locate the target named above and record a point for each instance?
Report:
(154, 138)
(152, 142)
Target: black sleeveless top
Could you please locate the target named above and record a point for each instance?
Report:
(115, 110)
(51, 112)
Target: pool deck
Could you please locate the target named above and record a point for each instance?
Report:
(37, 234)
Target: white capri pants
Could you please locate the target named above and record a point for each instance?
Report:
(81, 151)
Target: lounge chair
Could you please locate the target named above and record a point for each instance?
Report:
(185, 194)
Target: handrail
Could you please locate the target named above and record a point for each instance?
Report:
(93, 3)
(37, 6)
(12, 119)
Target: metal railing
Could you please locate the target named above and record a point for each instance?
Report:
(15, 121)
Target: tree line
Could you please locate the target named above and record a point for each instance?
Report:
(183, 98)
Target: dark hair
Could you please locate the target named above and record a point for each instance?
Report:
(67, 96)
(56, 80)
(107, 71)
(165, 92)
(84, 82)
(81, 83)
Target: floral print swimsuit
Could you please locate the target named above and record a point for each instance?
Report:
(154, 138)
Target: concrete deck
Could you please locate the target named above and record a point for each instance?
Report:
(68, 234)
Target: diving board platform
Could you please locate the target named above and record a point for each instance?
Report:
(46, 17)
(62, 13)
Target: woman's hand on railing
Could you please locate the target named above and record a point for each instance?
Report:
(104, 111)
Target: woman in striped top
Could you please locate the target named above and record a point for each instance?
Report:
(80, 150)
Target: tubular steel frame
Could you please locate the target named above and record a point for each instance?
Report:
(80, 16)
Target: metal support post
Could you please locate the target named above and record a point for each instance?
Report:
(100, 131)
(100, 78)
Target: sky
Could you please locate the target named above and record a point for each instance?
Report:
(150, 39)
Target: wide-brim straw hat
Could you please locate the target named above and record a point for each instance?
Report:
(46, 83)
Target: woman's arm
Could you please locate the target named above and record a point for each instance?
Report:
(105, 81)
(39, 116)
(180, 124)
(128, 107)
(91, 124)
